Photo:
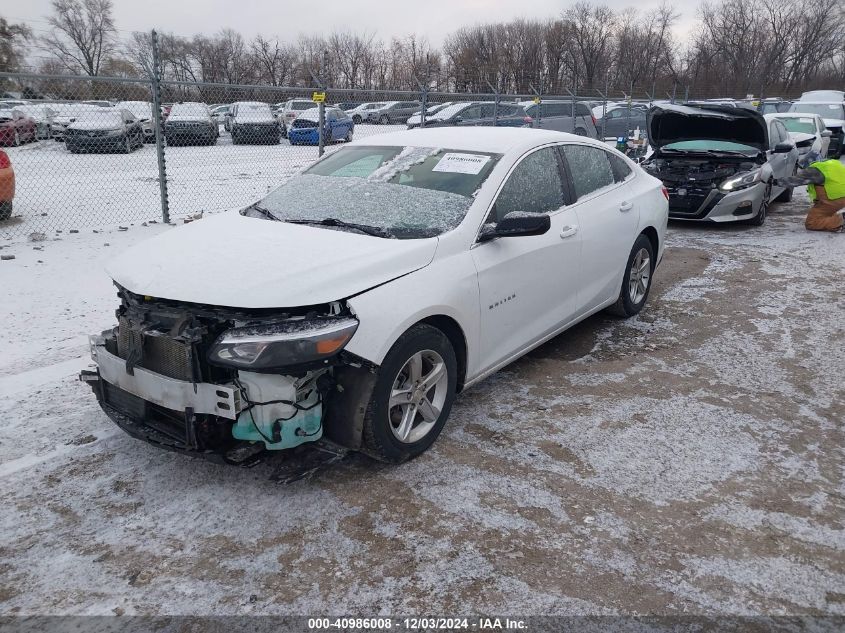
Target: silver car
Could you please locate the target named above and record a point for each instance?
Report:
(393, 112)
(557, 115)
(719, 163)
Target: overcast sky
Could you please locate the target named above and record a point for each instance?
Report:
(288, 18)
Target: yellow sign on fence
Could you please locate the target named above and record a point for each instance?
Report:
(318, 97)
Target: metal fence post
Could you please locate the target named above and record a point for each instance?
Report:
(572, 94)
(155, 84)
(538, 99)
(495, 103)
(423, 104)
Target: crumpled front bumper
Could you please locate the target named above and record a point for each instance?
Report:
(168, 413)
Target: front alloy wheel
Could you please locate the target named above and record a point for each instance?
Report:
(417, 396)
(412, 397)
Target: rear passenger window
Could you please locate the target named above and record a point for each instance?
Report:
(589, 167)
(620, 168)
(534, 186)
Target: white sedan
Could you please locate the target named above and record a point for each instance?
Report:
(806, 130)
(356, 300)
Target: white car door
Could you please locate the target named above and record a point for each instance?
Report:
(608, 214)
(528, 285)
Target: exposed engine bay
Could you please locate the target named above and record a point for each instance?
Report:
(205, 379)
(693, 183)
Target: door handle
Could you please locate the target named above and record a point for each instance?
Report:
(626, 206)
(568, 231)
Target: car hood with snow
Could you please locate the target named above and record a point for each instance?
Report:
(233, 260)
(678, 123)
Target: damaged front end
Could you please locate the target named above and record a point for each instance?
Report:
(230, 384)
(697, 185)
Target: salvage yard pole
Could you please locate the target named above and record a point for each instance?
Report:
(155, 81)
(495, 103)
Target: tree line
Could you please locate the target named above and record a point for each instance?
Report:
(737, 47)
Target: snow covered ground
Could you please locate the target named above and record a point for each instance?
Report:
(687, 461)
(60, 190)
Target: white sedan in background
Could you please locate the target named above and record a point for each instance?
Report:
(806, 130)
(380, 282)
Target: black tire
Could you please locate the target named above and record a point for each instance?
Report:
(127, 145)
(627, 306)
(384, 120)
(348, 137)
(579, 131)
(380, 442)
(763, 212)
(235, 139)
(356, 119)
(5, 209)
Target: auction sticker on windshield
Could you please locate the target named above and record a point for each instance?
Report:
(461, 163)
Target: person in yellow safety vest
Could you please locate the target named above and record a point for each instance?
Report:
(825, 180)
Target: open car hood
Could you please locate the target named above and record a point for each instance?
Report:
(241, 262)
(676, 123)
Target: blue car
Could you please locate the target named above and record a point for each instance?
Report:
(304, 128)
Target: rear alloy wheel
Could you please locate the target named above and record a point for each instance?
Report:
(356, 119)
(760, 218)
(412, 397)
(579, 131)
(636, 282)
(384, 119)
(348, 137)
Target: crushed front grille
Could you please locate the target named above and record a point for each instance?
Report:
(160, 354)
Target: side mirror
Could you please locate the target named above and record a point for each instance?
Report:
(827, 133)
(784, 148)
(517, 224)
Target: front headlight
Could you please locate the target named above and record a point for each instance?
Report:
(282, 344)
(741, 181)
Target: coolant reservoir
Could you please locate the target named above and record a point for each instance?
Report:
(281, 425)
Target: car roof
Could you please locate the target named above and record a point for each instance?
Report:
(498, 140)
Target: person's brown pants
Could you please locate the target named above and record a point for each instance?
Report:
(822, 215)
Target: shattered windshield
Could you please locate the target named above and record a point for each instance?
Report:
(402, 192)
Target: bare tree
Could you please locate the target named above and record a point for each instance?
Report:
(82, 34)
(12, 40)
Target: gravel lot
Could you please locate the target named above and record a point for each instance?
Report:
(688, 461)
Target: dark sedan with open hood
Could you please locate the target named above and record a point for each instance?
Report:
(719, 163)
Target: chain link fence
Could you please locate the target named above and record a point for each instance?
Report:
(104, 152)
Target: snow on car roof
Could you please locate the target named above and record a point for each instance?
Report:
(496, 140)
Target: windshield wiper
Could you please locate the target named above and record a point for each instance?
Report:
(375, 231)
(265, 212)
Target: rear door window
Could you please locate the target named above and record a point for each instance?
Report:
(589, 168)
